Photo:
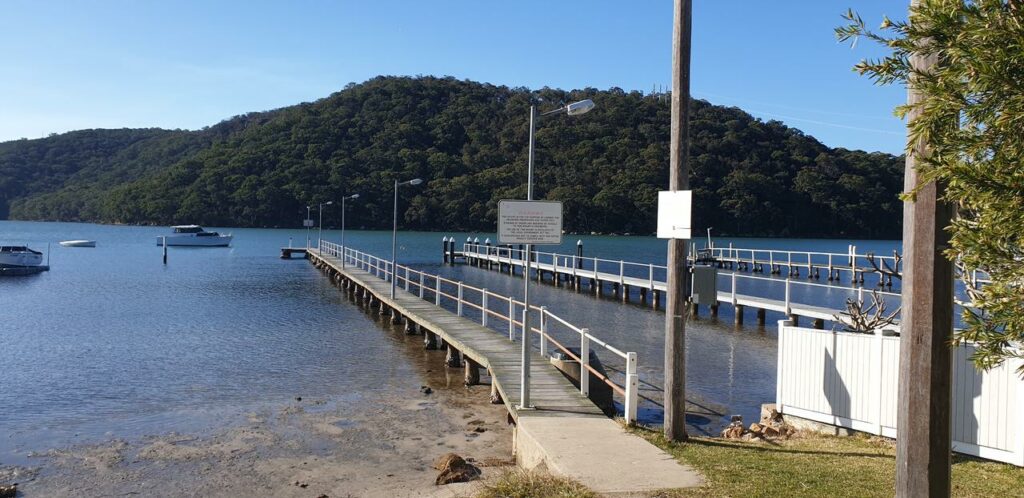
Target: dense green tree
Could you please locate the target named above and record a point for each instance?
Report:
(972, 117)
(469, 141)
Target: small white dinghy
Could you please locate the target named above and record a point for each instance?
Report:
(78, 243)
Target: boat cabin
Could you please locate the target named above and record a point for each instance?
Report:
(18, 249)
(188, 229)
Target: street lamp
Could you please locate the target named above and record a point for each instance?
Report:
(394, 231)
(320, 230)
(353, 196)
(573, 109)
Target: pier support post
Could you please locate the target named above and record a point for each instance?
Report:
(410, 327)
(453, 359)
(495, 395)
(795, 319)
(472, 372)
(625, 293)
(396, 317)
(694, 309)
(739, 314)
(818, 323)
(761, 317)
(429, 341)
(714, 310)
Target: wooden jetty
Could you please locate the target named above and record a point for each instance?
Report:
(287, 252)
(563, 429)
(620, 278)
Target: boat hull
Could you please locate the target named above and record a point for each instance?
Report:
(190, 240)
(20, 260)
(78, 243)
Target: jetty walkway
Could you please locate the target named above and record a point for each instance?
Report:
(649, 280)
(564, 429)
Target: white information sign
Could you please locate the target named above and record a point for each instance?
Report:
(674, 214)
(530, 222)
(307, 223)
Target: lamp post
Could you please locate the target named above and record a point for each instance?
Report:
(573, 109)
(320, 230)
(353, 196)
(394, 230)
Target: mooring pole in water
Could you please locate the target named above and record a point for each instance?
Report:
(165, 249)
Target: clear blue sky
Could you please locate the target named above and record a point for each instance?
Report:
(70, 65)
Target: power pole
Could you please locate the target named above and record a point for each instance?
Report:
(926, 327)
(678, 277)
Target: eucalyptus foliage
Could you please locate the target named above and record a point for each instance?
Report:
(972, 117)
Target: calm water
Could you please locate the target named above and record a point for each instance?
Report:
(111, 342)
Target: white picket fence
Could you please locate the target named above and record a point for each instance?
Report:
(851, 380)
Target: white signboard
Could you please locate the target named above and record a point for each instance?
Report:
(530, 222)
(307, 223)
(674, 214)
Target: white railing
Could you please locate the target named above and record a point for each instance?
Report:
(482, 304)
(852, 380)
(647, 276)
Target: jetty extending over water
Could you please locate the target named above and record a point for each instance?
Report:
(562, 429)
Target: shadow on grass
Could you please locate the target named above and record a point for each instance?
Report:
(760, 446)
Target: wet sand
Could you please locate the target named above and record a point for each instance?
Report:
(305, 448)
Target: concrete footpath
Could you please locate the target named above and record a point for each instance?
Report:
(599, 453)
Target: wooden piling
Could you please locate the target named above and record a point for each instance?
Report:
(429, 340)
(453, 359)
(761, 316)
(472, 372)
(739, 314)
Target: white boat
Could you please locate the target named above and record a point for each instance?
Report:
(78, 243)
(19, 257)
(194, 235)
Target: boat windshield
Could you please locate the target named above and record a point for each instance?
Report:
(208, 234)
(188, 229)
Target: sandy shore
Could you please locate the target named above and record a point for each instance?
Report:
(306, 448)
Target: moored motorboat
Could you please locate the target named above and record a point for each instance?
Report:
(194, 235)
(78, 243)
(20, 260)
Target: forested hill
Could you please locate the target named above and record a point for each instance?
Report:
(469, 141)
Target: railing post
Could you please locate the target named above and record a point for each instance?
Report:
(407, 279)
(734, 288)
(483, 307)
(789, 311)
(459, 306)
(632, 386)
(511, 319)
(421, 285)
(543, 331)
(650, 276)
(622, 274)
(437, 291)
(584, 362)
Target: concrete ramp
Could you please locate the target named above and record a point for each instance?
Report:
(599, 453)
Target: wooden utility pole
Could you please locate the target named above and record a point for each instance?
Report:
(926, 327)
(678, 276)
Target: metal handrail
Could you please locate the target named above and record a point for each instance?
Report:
(405, 275)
